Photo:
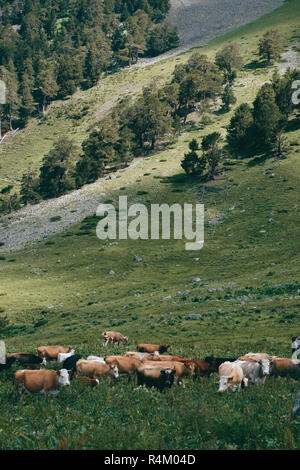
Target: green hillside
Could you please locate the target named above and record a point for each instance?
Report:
(247, 292)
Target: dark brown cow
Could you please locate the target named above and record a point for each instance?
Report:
(217, 361)
(27, 359)
(285, 367)
(155, 376)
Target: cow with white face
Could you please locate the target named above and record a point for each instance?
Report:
(255, 371)
(231, 377)
(295, 347)
(45, 381)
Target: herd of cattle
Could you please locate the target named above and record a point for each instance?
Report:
(151, 366)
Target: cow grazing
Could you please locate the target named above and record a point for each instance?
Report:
(96, 359)
(82, 379)
(114, 337)
(295, 347)
(61, 357)
(231, 377)
(96, 370)
(155, 376)
(44, 381)
(215, 362)
(70, 363)
(296, 407)
(202, 368)
(255, 371)
(182, 368)
(28, 359)
(51, 352)
(126, 365)
(285, 367)
(152, 348)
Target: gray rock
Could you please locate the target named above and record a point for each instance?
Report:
(194, 315)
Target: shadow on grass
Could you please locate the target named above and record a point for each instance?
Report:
(255, 64)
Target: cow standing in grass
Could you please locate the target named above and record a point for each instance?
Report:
(152, 348)
(44, 381)
(97, 370)
(51, 352)
(231, 377)
(27, 359)
(285, 367)
(255, 371)
(114, 337)
(155, 376)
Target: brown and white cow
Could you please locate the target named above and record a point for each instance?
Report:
(126, 365)
(51, 352)
(96, 370)
(155, 376)
(82, 379)
(285, 367)
(44, 381)
(231, 376)
(202, 368)
(152, 348)
(114, 337)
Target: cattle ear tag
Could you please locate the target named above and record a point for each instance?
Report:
(2, 353)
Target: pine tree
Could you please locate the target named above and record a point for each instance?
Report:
(240, 127)
(27, 106)
(29, 188)
(270, 46)
(192, 164)
(47, 87)
(57, 170)
(228, 98)
(229, 60)
(212, 152)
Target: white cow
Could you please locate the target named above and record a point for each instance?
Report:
(231, 376)
(61, 357)
(255, 371)
(96, 359)
(295, 347)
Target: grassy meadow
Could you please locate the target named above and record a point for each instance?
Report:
(59, 290)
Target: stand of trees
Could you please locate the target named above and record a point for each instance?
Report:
(260, 128)
(49, 48)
